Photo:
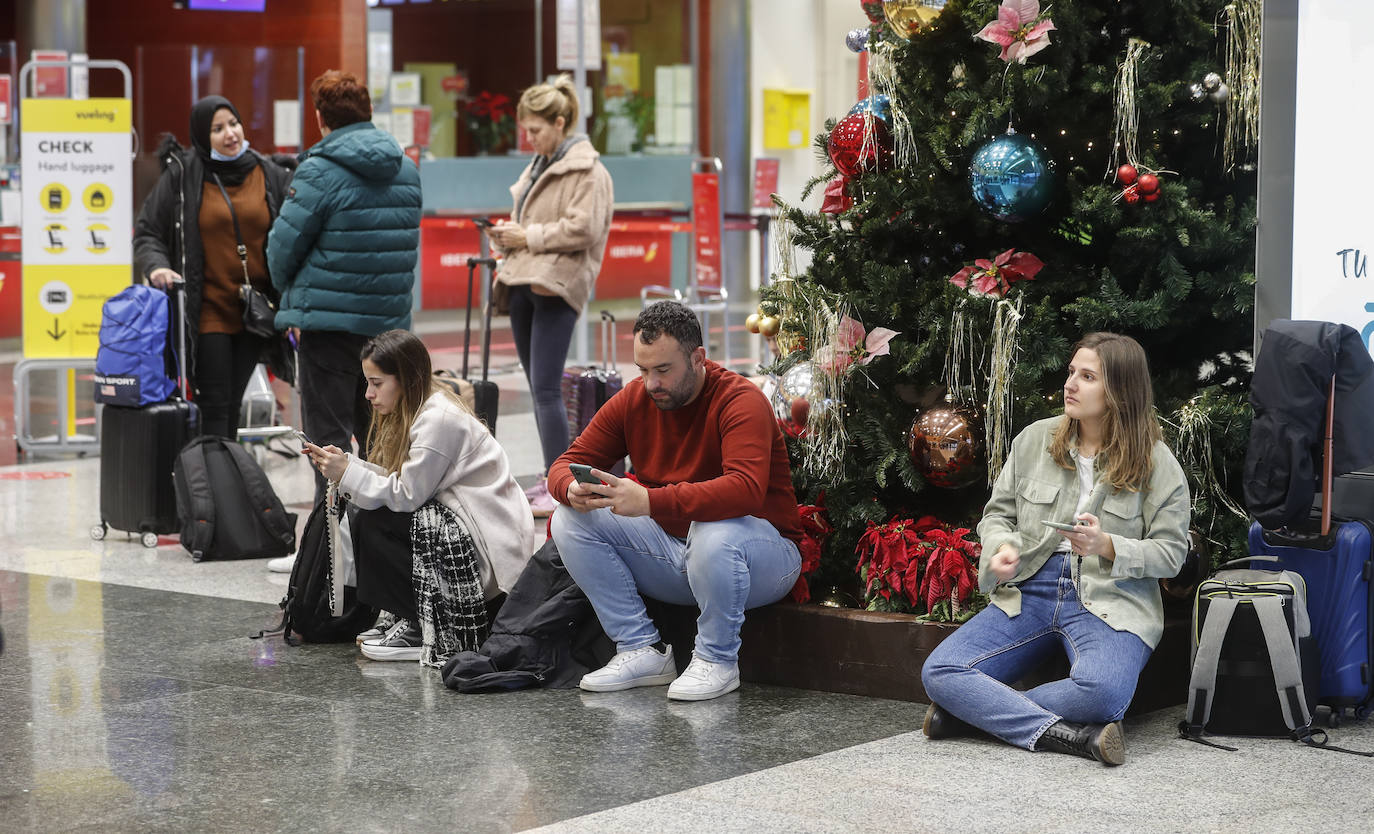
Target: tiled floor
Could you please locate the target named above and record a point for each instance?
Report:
(132, 698)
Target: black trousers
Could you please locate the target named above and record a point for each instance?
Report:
(382, 553)
(334, 406)
(224, 363)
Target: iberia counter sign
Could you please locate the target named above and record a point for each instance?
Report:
(78, 220)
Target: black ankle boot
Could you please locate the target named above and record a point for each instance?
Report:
(940, 724)
(1102, 742)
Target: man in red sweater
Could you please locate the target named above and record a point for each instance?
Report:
(712, 522)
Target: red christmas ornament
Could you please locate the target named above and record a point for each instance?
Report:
(1126, 174)
(1152, 196)
(1148, 183)
(1131, 195)
(801, 409)
(874, 10)
(853, 156)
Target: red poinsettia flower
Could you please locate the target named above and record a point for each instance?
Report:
(837, 197)
(949, 571)
(996, 276)
(815, 529)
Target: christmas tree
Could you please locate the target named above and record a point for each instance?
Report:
(1019, 177)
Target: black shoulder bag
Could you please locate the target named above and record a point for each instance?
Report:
(258, 313)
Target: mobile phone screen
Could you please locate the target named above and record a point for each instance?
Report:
(583, 473)
(303, 438)
(1059, 525)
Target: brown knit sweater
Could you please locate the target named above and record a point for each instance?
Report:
(221, 311)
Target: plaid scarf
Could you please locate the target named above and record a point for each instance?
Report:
(448, 588)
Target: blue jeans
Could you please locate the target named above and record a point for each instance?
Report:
(724, 567)
(970, 672)
(543, 327)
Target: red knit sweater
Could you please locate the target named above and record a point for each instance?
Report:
(721, 456)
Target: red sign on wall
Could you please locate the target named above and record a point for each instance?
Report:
(765, 181)
(638, 254)
(706, 228)
(49, 82)
(4, 99)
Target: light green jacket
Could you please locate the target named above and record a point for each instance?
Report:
(1149, 531)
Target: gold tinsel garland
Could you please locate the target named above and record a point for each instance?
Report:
(1243, 31)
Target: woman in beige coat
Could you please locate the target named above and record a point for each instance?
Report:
(553, 246)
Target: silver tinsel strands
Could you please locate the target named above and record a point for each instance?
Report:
(1195, 453)
(882, 80)
(1243, 19)
(1006, 321)
(1126, 139)
(826, 439)
(784, 250)
(962, 358)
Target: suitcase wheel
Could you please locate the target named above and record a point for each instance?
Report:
(1362, 712)
(98, 531)
(197, 556)
(149, 539)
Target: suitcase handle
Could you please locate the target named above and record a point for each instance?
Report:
(490, 264)
(608, 338)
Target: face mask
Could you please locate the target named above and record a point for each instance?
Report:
(219, 157)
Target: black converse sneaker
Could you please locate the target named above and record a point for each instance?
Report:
(402, 641)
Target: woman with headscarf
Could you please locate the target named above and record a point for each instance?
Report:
(187, 229)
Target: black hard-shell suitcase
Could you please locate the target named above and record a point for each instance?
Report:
(138, 448)
(598, 383)
(1336, 560)
(486, 395)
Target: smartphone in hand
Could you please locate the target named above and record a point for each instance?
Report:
(482, 222)
(1059, 525)
(303, 438)
(583, 473)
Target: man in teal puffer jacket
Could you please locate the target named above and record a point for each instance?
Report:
(342, 254)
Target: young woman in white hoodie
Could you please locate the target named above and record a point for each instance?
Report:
(443, 528)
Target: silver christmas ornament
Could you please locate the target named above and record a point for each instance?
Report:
(1197, 91)
(856, 40)
(1221, 94)
(1211, 81)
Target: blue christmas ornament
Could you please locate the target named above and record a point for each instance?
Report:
(856, 40)
(1012, 177)
(880, 106)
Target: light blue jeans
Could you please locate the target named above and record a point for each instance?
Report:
(724, 567)
(970, 672)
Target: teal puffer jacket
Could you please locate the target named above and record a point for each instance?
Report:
(342, 251)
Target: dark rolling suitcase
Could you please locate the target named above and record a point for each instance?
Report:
(138, 448)
(1335, 559)
(485, 394)
(586, 390)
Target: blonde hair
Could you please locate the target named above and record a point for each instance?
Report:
(401, 354)
(550, 100)
(1129, 428)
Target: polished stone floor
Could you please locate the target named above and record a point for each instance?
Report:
(132, 698)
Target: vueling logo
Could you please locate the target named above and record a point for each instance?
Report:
(107, 115)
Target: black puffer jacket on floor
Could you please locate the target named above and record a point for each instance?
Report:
(1293, 372)
(546, 634)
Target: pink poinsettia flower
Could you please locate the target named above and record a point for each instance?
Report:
(996, 276)
(1018, 29)
(852, 345)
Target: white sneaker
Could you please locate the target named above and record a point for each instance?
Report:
(703, 680)
(378, 631)
(282, 564)
(644, 666)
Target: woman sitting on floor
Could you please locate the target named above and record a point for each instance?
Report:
(1091, 590)
(443, 527)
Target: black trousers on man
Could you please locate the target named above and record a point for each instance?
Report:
(334, 406)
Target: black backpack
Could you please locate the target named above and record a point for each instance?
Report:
(227, 507)
(312, 596)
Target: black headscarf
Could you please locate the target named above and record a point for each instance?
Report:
(202, 116)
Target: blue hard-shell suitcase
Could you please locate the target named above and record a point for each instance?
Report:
(1337, 569)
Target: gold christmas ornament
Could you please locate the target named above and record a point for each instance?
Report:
(768, 326)
(752, 323)
(908, 17)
